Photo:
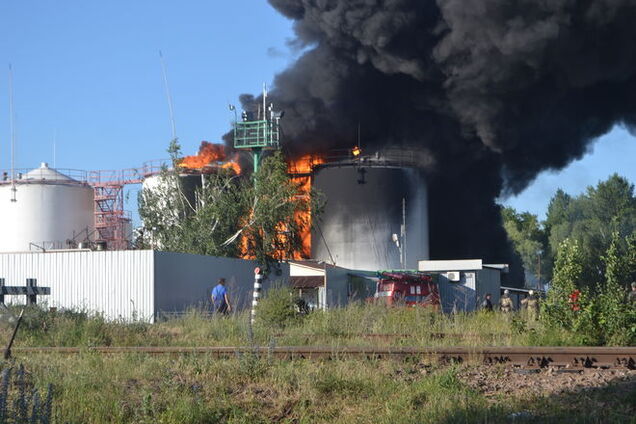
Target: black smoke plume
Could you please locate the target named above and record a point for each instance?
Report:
(494, 91)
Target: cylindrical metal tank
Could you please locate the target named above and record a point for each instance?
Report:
(161, 187)
(364, 210)
(189, 184)
(46, 210)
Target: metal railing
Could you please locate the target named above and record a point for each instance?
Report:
(43, 175)
(256, 134)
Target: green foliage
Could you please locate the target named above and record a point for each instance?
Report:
(613, 315)
(568, 269)
(529, 239)
(591, 219)
(273, 225)
(179, 218)
(277, 309)
(604, 317)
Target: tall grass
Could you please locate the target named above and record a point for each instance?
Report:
(351, 326)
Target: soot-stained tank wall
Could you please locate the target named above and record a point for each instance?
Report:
(359, 219)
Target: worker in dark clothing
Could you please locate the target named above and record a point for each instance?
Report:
(486, 305)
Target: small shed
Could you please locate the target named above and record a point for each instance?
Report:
(464, 283)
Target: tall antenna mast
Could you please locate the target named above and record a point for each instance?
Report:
(403, 231)
(264, 100)
(55, 149)
(12, 130)
(168, 95)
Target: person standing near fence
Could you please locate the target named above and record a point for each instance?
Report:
(486, 305)
(220, 298)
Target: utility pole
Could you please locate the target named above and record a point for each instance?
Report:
(12, 129)
(403, 233)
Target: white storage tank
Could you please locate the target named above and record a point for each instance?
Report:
(361, 226)
(47, 210)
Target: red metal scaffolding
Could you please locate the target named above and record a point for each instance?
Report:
(112, 222)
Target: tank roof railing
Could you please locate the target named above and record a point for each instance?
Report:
(78, 176)
(39, 176)
(392, 157)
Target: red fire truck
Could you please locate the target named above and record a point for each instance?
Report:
(406, 288)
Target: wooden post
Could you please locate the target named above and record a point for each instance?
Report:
(31, 297)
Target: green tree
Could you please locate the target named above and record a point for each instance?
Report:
(228, 215)
(276, 215)
(198, 220)
(568, 269)
(613, 317)
(606, 317)
(591, 219)
(529, 240)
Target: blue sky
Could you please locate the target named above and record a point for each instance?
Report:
(90, 73)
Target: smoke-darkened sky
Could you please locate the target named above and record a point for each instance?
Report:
(495, 91)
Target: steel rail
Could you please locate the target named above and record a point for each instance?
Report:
(531, 356)
(389, 336)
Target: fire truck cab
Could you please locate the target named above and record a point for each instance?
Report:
(401, 288)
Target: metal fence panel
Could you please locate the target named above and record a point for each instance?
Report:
(117, 284)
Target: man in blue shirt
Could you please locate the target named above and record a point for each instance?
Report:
(220, 298)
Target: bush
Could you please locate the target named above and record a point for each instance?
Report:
(556, 311)
(277, 309)
(604, 316)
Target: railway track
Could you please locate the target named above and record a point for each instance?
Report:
(527, 357)
(393, 336)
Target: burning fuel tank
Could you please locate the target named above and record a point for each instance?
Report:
(375, 217)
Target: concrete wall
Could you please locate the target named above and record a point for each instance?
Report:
(183, 280)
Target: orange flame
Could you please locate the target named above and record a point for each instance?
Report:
(210, 154)
(300, 170)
